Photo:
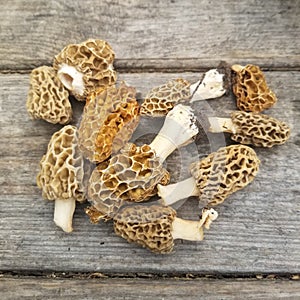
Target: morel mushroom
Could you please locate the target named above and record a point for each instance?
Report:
(160, 100)
(63, 175)
(252, 128)
(156, 227)
(215, 177)
(132, 175)
(47, 98)
(109, 118)
(85, 67)
(251, 89)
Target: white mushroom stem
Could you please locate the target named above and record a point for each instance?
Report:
(237, 68)
(221, 125)
(193, 230)
(71, 79)
(212, 86)
(172, 193)
(63, 214)
(178, 130)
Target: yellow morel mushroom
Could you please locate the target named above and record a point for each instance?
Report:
(251, 89)
(156, 227)
(132, 175)
(47, 98)
(215, 177)
(160, 100)
(63, 175)
(252, 128)
(85, 67)
(109, 118)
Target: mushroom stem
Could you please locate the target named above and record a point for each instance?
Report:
(193, 230)
(163, 147)
(172, 193)
(71, 79)
(63, 214)
(212, 86)
(221, 125)
(237, 68)
(178, 130)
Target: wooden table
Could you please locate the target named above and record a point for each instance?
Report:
(252, 250)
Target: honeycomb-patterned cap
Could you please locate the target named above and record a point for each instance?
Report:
(85, 67)
(47, 97)
(109, 118)
(148, 226)
(131, 175)
(258, 129)
(161, 99)
(224, 172)
(251, 89)
(62, 170)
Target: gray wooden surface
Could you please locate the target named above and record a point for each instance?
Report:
(257, 231)
(116, 288)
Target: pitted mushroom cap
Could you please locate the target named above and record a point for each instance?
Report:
(62, 170)
(93, 63)
(149, 227)
(223, 172)
(251, 89)
(258, 129)
(47, 98)
(131, 175)
(109, 118)
(160, 100)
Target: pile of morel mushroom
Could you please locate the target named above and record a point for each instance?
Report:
(128, 183)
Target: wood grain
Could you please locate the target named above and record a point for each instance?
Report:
(153, 35)
(36, 288)
(257, 230)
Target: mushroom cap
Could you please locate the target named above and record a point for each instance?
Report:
(148, 226)
(161, 99)
(223, 172)
(251, 89)
(94, 59)
(258, 129)
(62, 174)
(109, 118)
(131, 175)
(47, 97)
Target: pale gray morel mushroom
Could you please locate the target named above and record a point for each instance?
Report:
(215, 177)
(252, 128)
(132, 175)
(156, 227)
(63, 175)
(160, 100)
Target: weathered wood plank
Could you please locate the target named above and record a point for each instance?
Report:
(257, 231)
(39, 288)
(155, 35)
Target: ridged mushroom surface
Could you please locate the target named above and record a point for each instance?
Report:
(224, 172)
(131, 175)
(161, 99)
(258, 129)
(251, 89)
(47, 97)
(85, 67)
(149, 227)
(109, 118)
(62, 171)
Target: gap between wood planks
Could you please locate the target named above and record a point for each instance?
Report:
(122, 66)
(190, 276)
